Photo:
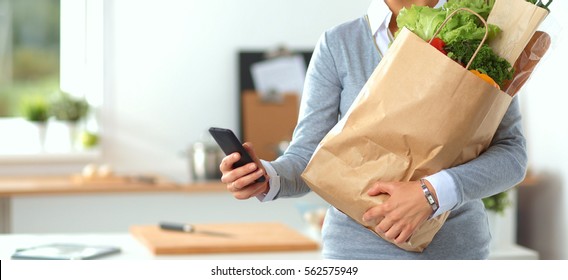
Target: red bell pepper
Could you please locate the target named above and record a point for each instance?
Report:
(439, 45)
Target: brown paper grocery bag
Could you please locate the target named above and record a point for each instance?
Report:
(519, 21)
(419, 112)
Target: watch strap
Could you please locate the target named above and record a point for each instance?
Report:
(429, 197)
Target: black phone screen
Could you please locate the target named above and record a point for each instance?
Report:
(229, 143)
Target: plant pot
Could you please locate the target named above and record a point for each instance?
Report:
(500, 228)
(503, 225)
(72, 134)
(495, 220)
(41, 128)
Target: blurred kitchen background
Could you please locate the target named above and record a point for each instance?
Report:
(137, 83)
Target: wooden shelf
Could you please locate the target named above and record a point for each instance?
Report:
(48, 185)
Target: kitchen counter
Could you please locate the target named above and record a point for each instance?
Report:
(19, 186)
(47, 185)
(68, 185)
(132, 249)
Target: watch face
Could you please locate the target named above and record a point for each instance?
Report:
(429, 196)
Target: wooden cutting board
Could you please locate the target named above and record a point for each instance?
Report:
(240, 237)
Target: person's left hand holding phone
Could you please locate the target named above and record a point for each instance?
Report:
(242, 171)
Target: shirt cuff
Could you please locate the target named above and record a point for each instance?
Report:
(273, 183)
(446, 191)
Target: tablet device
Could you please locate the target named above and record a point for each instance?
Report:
(64, 251)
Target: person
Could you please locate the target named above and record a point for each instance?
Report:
(343, 60)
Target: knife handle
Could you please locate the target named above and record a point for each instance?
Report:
(176, 227)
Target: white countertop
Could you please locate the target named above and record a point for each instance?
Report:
(131, 249)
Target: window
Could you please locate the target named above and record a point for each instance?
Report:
(49, 49)
(29, 37)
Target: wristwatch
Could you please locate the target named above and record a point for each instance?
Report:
(429, 197)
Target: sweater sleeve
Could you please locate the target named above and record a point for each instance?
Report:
(319, 112)
(500, 167)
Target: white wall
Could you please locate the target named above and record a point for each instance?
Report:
(172, 67)
(543, 210)
(170, 73)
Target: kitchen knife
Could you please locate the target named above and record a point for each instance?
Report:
(189, 228)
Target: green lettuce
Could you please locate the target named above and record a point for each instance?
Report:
(424, 21)
(482, 7)
(421, 20)
(465, 26)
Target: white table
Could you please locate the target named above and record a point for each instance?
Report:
(134, 250)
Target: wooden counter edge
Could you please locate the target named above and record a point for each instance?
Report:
(56, 185)
(34, 187)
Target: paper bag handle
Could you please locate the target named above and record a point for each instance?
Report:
(482, 40)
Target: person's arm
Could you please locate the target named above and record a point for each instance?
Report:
(319, 112)
(273, 183)
(500, 167)
(445, 191)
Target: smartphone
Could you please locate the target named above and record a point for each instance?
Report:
(229, 143)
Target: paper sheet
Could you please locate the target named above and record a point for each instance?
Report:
(279, 75)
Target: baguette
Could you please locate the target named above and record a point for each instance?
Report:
(535, 49)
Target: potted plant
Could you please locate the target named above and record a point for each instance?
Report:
(35, 109)
(70, 110)
(497, 203)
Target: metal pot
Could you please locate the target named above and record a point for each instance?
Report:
(204, 161)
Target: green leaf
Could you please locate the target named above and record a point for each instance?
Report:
(34, 108)
(67, 108)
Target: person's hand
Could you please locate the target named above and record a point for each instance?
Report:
(241, 181)
(402, 213)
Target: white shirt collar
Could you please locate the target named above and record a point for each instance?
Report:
(378, 12)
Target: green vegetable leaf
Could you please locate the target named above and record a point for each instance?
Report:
(464, 27)
(461, 34)
(479, 6)
(424, 21)
(486, 60)
(421, 20)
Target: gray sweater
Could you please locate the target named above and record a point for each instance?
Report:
(343, 60)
